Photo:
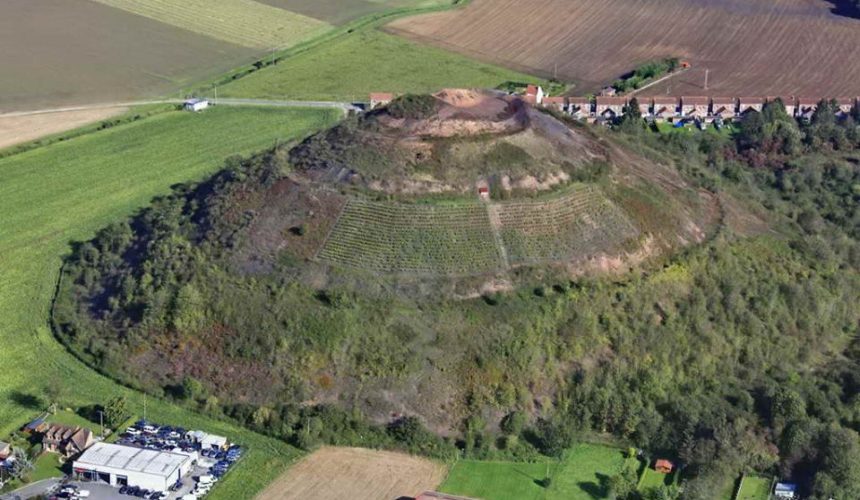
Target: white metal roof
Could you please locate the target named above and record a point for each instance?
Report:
(131, 459)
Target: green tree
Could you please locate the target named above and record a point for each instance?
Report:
(116, 411)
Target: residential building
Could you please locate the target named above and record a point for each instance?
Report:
(609, 108)
(66, 440)
(724, 108)
(534, 94)
(694, 107)
(843, 106)
(789, 102)
(785, 490)
(665, 108)
(664, 466)
(806, 107)
(747, 104)
(558, 103)
(646, 106)
(579, 107)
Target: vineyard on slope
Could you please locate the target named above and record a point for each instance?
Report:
(582, 222)
(459, 239)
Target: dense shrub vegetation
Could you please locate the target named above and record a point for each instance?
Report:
(739, 354)
(645, 73)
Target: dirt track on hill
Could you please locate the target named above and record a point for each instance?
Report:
(751, 47)
(357, 474)
(18, 129)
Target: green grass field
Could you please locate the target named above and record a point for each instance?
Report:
(653, 479)
(343, 11)
(65, 192)
(350, 67)
(754, 488)
(241, 22)
(580, 476)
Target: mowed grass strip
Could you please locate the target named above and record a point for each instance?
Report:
(579, 476)
(67, 191)
(351, 67)
(242, 22)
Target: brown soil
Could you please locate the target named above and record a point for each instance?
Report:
(751, 47)
(20, 129)
(355, 473)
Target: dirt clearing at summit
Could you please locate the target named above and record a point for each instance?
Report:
(357, 473)
(751, 47)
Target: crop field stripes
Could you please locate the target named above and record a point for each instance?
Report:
(581, 222)
(242, 22)
(474, 238)
(422, 239)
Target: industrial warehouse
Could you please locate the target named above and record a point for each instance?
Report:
(122, 465)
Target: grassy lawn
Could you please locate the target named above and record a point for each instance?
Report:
(47, 465)
(352, 66)
(754, 488)
(653, 479)
(581, 475)
(64, 192)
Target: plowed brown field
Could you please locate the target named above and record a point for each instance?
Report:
(357, 474)
(751, 47)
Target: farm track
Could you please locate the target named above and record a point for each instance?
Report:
(221, 102)
(751, 48)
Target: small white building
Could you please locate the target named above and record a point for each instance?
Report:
(785, 490)
(120, 465)
(196, 105)
(207, 441)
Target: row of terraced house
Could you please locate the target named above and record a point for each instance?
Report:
(699, 108)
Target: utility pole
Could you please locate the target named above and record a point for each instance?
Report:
(102, 422)
(706, 78)
(216, 96)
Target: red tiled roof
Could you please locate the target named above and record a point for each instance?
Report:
(752, 100)
(611, 101)
(381, 96)
(531, 89)
(555, 100)
(723, 100)
(695, 101)
(663, 101)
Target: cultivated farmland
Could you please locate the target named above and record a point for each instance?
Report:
(56, 194)
(751, 47)
(354, 65)
(18, 129)
(241, 22)
(55, 53)
(342, 11)
(330, 473)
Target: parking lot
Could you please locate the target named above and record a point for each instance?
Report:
(214, 456)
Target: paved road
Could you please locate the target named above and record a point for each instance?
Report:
(345, 106)
(31, 490)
